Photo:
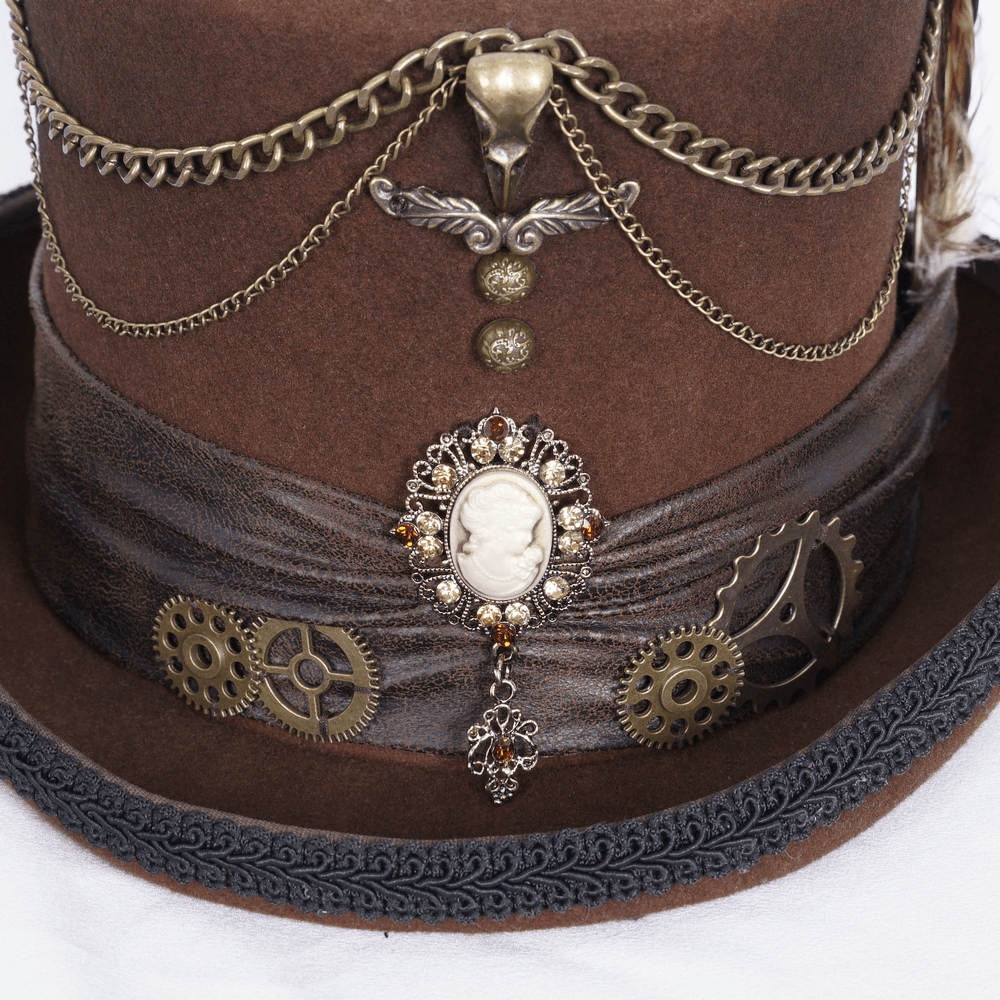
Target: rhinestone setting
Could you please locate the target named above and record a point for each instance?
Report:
(539, 562)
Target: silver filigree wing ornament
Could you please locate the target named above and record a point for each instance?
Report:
(499, 524)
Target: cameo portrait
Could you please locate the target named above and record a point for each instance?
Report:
(500, 534)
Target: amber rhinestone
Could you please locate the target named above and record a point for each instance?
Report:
(504, 635)
(503, 750)
(496, 428)
(407, 533)
(592, 527)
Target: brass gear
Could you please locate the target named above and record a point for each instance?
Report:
(211, 660)
(317, 724)
(687, 693)
(786, 614)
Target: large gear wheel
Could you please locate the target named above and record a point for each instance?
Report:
(211, 659)
(785, 614)
(307, 685)
(679, 686)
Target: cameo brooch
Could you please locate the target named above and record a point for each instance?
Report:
(499, 525)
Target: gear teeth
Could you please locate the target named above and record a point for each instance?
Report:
(228, 661)
(812, 531)
(358, 713)
(234, 643)
(676, 670)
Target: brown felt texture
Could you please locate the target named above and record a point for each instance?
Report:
(141, 733)
(353, 365)
(349, 368)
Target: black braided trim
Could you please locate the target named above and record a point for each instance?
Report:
(468, 881)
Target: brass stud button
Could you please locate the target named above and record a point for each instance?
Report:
(505, 345)
(504, 277)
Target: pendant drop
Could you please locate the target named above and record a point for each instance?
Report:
(502, 742)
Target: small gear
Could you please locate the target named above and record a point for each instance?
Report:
(680, 686)
(211, 660)
(786, 614)
(308, 684)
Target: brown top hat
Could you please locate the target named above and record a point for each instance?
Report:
(574, 452)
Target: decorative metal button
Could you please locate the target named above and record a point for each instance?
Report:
(505, 345)
(505, 278)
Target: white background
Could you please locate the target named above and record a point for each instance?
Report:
(911, 908)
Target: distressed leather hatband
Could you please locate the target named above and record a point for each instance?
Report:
(127, 511)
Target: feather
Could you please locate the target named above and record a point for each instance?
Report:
(944, 235)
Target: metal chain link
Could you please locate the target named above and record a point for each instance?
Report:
(177, 166)
(263, 152)
(273, 276)
(593, 77)
(501, 673)
(683, 142)
(698, 299)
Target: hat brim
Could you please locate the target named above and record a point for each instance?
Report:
(354, 835)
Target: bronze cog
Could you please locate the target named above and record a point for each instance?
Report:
(316, 722)
(679, 686)
(211, 659)
(786, 615)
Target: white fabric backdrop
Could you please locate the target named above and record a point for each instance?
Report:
(907, 909)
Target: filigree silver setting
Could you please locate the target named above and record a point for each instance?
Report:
(485, 233)
(503, 742)
(499, 525)
(552, 474)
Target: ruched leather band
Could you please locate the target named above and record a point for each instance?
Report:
(127, 511)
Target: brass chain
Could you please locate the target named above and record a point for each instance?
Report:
(698, 299)
(424, 70)
(263, 152)
(273, 276)
(735, 166)
(709, 156)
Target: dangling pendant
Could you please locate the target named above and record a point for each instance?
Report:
(502, 742)
(500, 526)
